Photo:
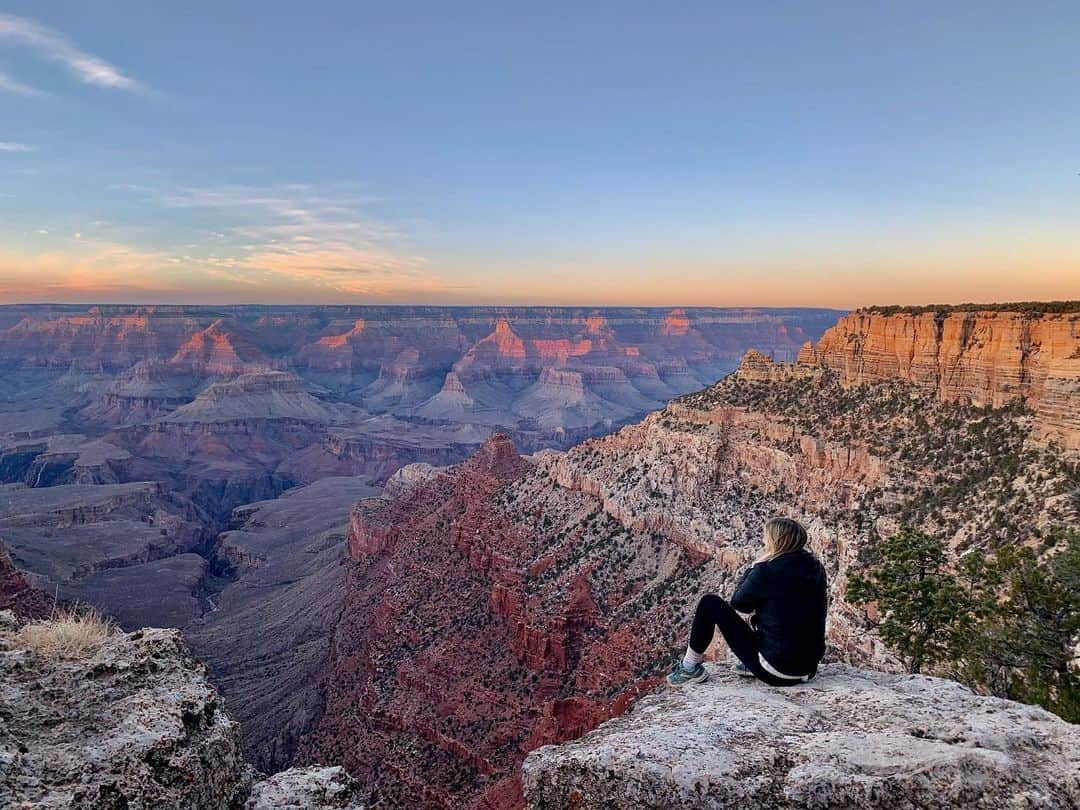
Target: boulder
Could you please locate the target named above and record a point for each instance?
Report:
(306, 788)
(132, 723)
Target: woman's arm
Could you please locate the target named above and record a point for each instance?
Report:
(748, 591)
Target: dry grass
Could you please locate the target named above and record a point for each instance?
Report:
(68, 633)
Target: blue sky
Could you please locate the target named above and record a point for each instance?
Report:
(571, 153)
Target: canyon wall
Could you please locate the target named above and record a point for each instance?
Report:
(575, 572)
(983, 357)
(475, 628)
(213, 408)
(267, 633)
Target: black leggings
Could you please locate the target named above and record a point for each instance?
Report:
(712, 612)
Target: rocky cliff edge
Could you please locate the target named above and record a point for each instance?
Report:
(132, 722)
(849, 739)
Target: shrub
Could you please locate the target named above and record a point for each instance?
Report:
(1005, 622)
(68, 633)
(918, 598)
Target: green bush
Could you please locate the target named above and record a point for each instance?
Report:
(1005, 622)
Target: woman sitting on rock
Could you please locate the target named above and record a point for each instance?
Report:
(785, 592)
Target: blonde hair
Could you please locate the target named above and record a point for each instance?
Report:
(781, 536)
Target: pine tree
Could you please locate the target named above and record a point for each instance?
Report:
(1007, 623)
(918, 598)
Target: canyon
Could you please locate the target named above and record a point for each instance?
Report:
(194, 467)
(422, 545)
(516, 601)
(189, 412)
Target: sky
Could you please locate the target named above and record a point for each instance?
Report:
(825, 154)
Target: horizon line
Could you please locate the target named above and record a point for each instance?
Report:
(251, 304)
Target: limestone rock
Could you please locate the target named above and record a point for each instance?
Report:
(409, 476)
(306, 789)
(133, 724)
(849, 739)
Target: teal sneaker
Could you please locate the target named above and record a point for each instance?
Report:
(739, 668)
(682, 675)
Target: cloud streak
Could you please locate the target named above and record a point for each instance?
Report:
(277, 242)
(301, 235)
(52, 45)
(9, 146)
(10, 85)
(94, 269)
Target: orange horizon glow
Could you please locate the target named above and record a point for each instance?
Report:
(114, 273)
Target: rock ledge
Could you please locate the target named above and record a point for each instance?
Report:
(850, 739)
(133, 724)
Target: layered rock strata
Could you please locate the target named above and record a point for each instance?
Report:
(585, 565)
(983, 357)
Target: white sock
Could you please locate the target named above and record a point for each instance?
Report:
(691, 659)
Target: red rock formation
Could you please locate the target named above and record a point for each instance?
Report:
(506, 343)
(468, 637)
(17, 595)
(219, 350)
(333, 353)
(577, 575)
(115, 337)
(676, 324)
(498, 458)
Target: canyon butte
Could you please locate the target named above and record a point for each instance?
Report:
(427, 617)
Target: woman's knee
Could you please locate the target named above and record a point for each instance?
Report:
(711, 605)
(710, 602)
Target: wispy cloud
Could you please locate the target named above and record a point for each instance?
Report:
(241, 243)
(51, 44)
(9, 85)
(96, 269)
(302, 235)
(9, 146)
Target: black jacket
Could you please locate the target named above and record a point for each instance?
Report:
(788, 598)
